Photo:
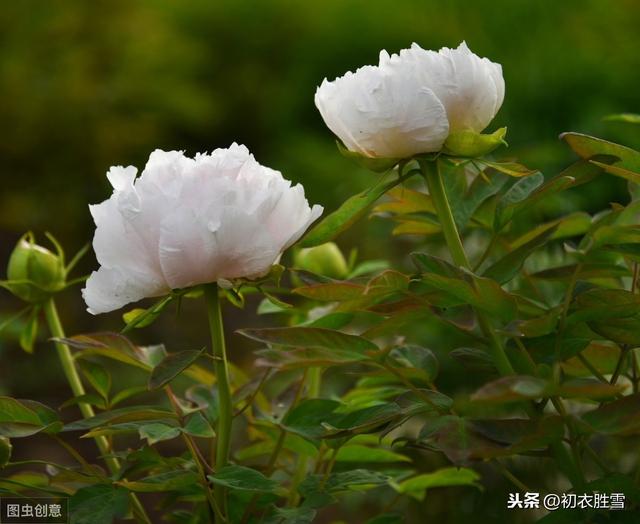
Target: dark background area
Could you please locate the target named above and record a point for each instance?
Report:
(87, 85)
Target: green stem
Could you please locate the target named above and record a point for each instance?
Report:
(225, 407)
(438, 194)
(301, 471)
(71, 373)
(443, 209)
(198, 460)
(440, 201)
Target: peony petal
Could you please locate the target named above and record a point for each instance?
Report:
(471, 88)
(184, 222)
(110, 289)
(380, 113)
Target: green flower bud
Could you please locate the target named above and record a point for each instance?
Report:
(5, 451)
(325, 259)
(34, 273)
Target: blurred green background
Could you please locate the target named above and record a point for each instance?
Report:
(87, 85)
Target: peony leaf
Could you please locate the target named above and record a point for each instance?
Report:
(351, 480)
(121, 415)
(169, 481)
(307, 337)
(628, 118)
(361, 453)
(98, 377)
(588, 147)
(243, 479)
(346, 215)
(418, 485)
(98, 504)
(507, 267)
(620, 417)
(23, 418)
(157, 432)
(171, 366)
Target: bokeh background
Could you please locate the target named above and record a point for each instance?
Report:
(87, 85)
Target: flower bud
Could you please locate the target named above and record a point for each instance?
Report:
(34, 272)
(325, 259)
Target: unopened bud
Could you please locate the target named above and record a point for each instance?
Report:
(34, 272)
(326, 260)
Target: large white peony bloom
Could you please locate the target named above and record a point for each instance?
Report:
(410, 102)
(188, 221)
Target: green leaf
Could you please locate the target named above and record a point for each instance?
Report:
(157, 432)
(171, 366)
(353, 480)
(467, 143)
(387, 518)
(29, 333)
(111, 345)
(360, 453)
(197, 425)
(612, 313)
(619, 417)
(621, 172)
(473, 359)
(332, 291)
(299, 515)
(512, 169)
(418, 485)
(588, 147)
(87, 398)
(512, 388)
(5, 451)
(121, 415)
(427, 401)
(243, 479)
(334, 320)
(479, 292)
(23, 418)
(521, 190)
(99, 504)
(628, 118)
(307, 418)
(98, 377)
(294, 358)
(139, 318)
(127, 393)
(346, 215)
(507, 267)
(479, 191)
(517, 193)
(419, 358)
(306, 337)
(506, 211)
(177, 480)
(319, 418)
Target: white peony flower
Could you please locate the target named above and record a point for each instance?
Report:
(411, 101)
(188, 221)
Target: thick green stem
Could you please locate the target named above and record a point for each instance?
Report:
(443, 209)
(440, 201)
(71, 373)
(225, 407)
